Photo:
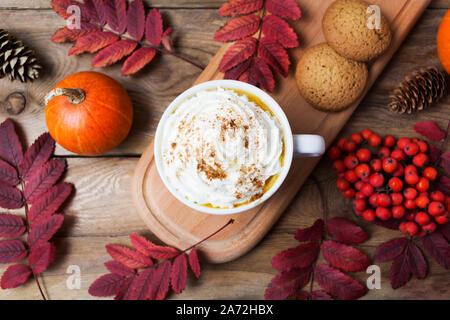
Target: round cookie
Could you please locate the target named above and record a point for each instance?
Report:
(328, 81)
(345, 28)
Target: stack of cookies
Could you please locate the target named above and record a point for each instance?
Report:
(333, 75)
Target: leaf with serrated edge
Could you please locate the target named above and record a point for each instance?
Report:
(106, 286)
(438, 247)
(123, 289)
(238, 28)
(338, 284)
(161, 287)
(238, 53)
(66, 34)
(320, 295)
(445, 231)
(11, 226)
(140, 286)
(344, 257)
(90, 7)
(430, 130)
(136, 19)
(10, 198)
(113, 53)
(287, 9)
(236, 72)
(287, 283)
(416, 260)
(260, 74)
(12, 251)
(299, 257)
(43, 230)
(400, 271)
(8, 174)
(93, 42)
(446, 162)
(313, 233)
(178, 274)
(345, 231)
(37, 155)
(15, 276)
(237, 7)
(194, 263)
(138, 60)
(390, 250)
(443, 184)
(10, 146)
(279, 30)
(152, 250)
(131, 258)
(41, 256)
(154, 27)
(119, 268)
(275, 55)
(116, 14)
(60, 7)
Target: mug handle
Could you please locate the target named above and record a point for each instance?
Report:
(308, 145)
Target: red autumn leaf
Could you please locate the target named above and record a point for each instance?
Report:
(392, 224)
(119, 268)
(15, 276)
(434, 153)
(140, 286)
(194, 263)
(10, 198)
(152, 250)
(106, 286)
(11, 226)
(287, 283)
(274, 55)
(338, 284)
(12, 251)
(345, 231)
(178, 274)
(390, 250)
(51, 201)
(93, 42)
(94, 11)
(400, 271)
(445, 230)
(320, 295)
(238, 28)
(44, 179)
(438, 247)
(123, 289)
(60, 7)
(114, 53)
(161, 286)
(300, 295)
(166, 41)
(138, 60)
(260, 74)
(344, 257)
(116, 14)
(236, 72)
(136, 19)
(8, 174)
(443, 184)
(430, 130)
(446, 162)
(66, 34)
(131, 258)
(10, 146)
(279, 30)
(313, 233)
(238, 7)
(43, 230)
(284, 8)
(41, 256)
(417, 263)
(154, 27)
(237, 53)
(299, 257)
(37, 155)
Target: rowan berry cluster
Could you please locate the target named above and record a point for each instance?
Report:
(389, 178)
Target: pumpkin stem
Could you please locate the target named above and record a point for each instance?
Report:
(75, 96)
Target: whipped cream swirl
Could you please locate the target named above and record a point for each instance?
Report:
(220, 149)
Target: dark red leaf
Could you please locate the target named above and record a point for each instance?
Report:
(279, 30)
(138, 60)
(60, 7)
(119, 268)
(300, 295)
(238, 7)
(260, 74)
(51, 201)
(36, 156)
(46, 177)
(446, 162)
(12, 251)
(236, 72)
(320, 295)
(287, 283)
(10, 147)
(275, 55)
(116, 14)
(338, 284)
(194, 263)
(345, 231)
(152, 250)
(113, 53)
(443, 184)
(66, 34)
(44, 229)
(131, 258)
(400, 271)
(313, 233)
(417, 263)
(344, 257)
(392, 224)
(106, 286)
(284, 8)
(154, 27)
(430, 130)
(136, 19)
(445, 230)
(238, 28)
(15, 276)
(93, 42)
(438, 247)
(161, 287)
(11, 226)
(123, 289)
(10, 198)
(178, 274)
(390, 250)
(434, 153)
(141, 286)
(238, 53)
(8, 174)
(41, 256)
(94, 11)
(299, 257)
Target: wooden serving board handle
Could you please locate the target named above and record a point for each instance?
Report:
(180, 226)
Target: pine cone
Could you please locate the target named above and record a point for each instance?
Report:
(17, 61)
(419, 91)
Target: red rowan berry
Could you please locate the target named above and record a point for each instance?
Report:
(334, 153)
(363, 155)
(383, 152)
(369, 215)
(339, 166)
(423, 146)
(383, 200)
(399, 171)
(411, 149)
(342, 184)
(389, 165)
(437, 195)
(362, 171)
(429, 228)
(442, 218)
(349, 146)
(423, 185)
(410, 215)
(360, 195)
(410, 169)
(402, 142)
(395, 184)
(409, 204)
(367, 189)
(420, 160)
(411, 228)
(359, 204)
(351, 161)
(389, 141)
(430, 173)
(341, 142)
(358, 185)
(376, 165)
(383, 213)
(366, 133)
(398, 212)
(410, 193)
(411, 178)
(422, 218)
(436, 208)
(422, 201)
(349, 193)
(351, 176)
(377, 180)
(373, 200)
(356, 138)
(398, 155)
(374, 140)
(397, 198)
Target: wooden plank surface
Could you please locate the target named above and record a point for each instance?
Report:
(103, 184)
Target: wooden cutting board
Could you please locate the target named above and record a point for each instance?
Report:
(180, 226)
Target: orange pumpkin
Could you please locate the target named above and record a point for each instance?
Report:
(89, 113)
(443, 42)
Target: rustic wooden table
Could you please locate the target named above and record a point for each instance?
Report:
(102, 212)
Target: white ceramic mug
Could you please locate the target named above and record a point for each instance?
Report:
(303, 145)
